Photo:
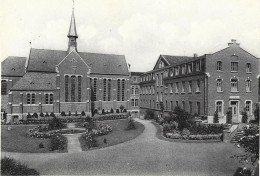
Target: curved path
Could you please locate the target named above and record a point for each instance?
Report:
(145, 154)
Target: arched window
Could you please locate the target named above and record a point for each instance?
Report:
(109, 90)
(219, 66)
(79, 89)
(123, 90)
(46, 98)
(73, 88)
(234, 85)
(248, 85)
(104, 89)
(219, 85)
(95, 90)
(66, 88)
(118, 89)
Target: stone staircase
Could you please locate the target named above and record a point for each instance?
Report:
(239, 133)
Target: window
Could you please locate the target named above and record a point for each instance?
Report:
(183, 87)
(33, 99)
(234, 86)
(3, 87)
(198, 66)
(109, 90)
(161, 96)
(177, 70)
(166, 90)
(171, 72)
(157, 80)
(136, 90)
(183, 105)
(135, 79)
(248, 107)
(248, 68)
(171, 106)
(95, 90)
(219, 85)
(198, 86)
(134, 102)
(177, 103)
(190, 104)
(30, 98)
(51, 98)
(177, 87)
(118, 89)
(198, 108)
(161, 79)
(189, 67)
(66, 88)
(73, 88)
(166, 105)
(248, 85)
(183, 70)
(190, 86)
(46, 98)
(104, 89)
(79, 88)
(219, 107)
(123, 90)
(171, 88)
(234, 66)
(219, 66)
(133, 90)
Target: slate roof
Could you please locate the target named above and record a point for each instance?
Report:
(42, 60)
(13, 66)
(36, 81)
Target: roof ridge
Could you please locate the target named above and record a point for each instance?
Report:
(103, 53)
(48, 49)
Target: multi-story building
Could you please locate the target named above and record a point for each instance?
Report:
(56, 81)
(205, 84)
(135, 93)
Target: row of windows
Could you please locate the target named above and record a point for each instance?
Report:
(147, 90)
(3, 87)
(233, 85)
(169, 87)
(30, 98)
(220, 110)
(234, 67)
(73, 86)
(134, 90)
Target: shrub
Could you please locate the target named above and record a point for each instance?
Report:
(183, 118)
(185, 132)
(41, 114)
(83, 113)
(103, 111)
(130, 125)
(52, 114)
(244, 117)
(125, 110)
(121, 108)
(105, 140)
(41, 145)
(56, 123)
(29, 116)
(35, 115)
(111, 110)
(149, 114)
(257, 113)
(229, 116)
(69, 113)
(117, 110)
(88, 119)
(216, 118)
(76, 113)
(47, 115)
(58, 142)
(166, 128)
(10, 166)
(95, 111)
(63, 113)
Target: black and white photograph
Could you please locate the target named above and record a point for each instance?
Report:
(130, 87)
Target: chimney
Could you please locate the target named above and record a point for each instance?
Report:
(195, 55)
(233, 43)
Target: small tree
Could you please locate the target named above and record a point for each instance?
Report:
(63, 113)
(41, 114)
(111, 110)
(229, 116)
(76, 113)
(35, 115)
(256, 114)
(47, 115)
(103, 111)
(52, 114)
(125, 110)
(149, 114)
(216, 118)
(244, 116)
(117, 110)
(121, 108)
(29, 116)
(83, 113)
(69, 113)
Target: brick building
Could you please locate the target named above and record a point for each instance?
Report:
(205, 84)
(56, 81)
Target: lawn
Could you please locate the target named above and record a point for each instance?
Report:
(15, 140)
(118, 134)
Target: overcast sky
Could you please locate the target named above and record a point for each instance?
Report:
(139, 29)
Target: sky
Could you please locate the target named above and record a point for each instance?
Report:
(139, 29)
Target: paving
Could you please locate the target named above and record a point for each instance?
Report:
(144, 155)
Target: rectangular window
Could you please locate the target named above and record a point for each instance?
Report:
(104, 89)
(95, 90)
(234, 66)
(157, 80)
(136, 102)
(157, 96)
(219, 85)
(133, 102)
(190, 104)
(177, 87)
(183, 105)
(66, 88)
(248, 86)
(28, 98)
(189, 67)
(219, 107)
(171, 87)
(79, 88)
(171, 106)
(219, 66)
(46, 98)
(177, 70)
(33, 98)
(73, 88)
(166, 90)
(198, 66)
(161, 79)
(190, 86)
(248, 68)
(133, 90)
(248, 108)
(198, 108)
(183, 87)
(183, 69)
(51, 98)
(3, 87)
(198, 86)
(166, 105)
(234, 85)
(177, 103)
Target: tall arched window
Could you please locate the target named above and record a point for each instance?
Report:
(234, 85)
(123, 90)
(104, 89)
(95, 89)
(79, 88)
(118, 89)
(73, 89)
(248, 85)
(3, 87)
(219, 85)
(66, 88)
(219, 66)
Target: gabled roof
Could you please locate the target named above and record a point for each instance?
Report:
(13, 66)
(42, 60)
(36, 81)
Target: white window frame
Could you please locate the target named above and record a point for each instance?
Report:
(250, 108)
(222, 107)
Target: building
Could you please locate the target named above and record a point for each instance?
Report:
(205, 84)
(135, 93)
(55, 81)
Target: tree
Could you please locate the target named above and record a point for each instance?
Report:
(121, 108)
(244, 117)
(149, 114)
(35, 115)
(256, 114)
(216, 118)
(83, 113)
(112, 110)
(29, 116)
(229, 116)
(183, 119)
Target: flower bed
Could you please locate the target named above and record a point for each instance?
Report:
(194, 137)
(110, 117)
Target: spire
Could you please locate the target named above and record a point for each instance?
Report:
(72, 35)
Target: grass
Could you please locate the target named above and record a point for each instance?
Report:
(15, 140)
(118, 134)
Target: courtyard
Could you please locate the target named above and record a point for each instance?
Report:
(145, 154)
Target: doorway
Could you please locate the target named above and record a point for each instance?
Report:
(234, 110)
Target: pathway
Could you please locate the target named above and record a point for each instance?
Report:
(73, 140)
(143, 155)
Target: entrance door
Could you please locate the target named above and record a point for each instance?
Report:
(234, 109)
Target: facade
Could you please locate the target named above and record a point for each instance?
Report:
(135, 93)
(55, 81)
(205, 84)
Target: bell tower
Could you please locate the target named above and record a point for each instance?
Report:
(72, 35)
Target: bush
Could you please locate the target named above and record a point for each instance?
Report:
(41, 145)
(244, 117)
(256, 114)
(47, 115)
(183, 118)
(185, 132)
(216, 118)
(229, 116)
(110, 117)
(58, 142)
(125, 110)
(121, 108)
(56, 123)
(29, 116)
(149, 114)
(76, 113)
(63, 113)
(41, 114)
(95, 111)
(117, 110)
(35, 115)
(69, 113)
(130, 125)
(83, 113)
(52, 114)
(111, 110)
(166, 128)
(103, 111)
(10, 166)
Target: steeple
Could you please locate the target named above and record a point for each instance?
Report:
(72, 35)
